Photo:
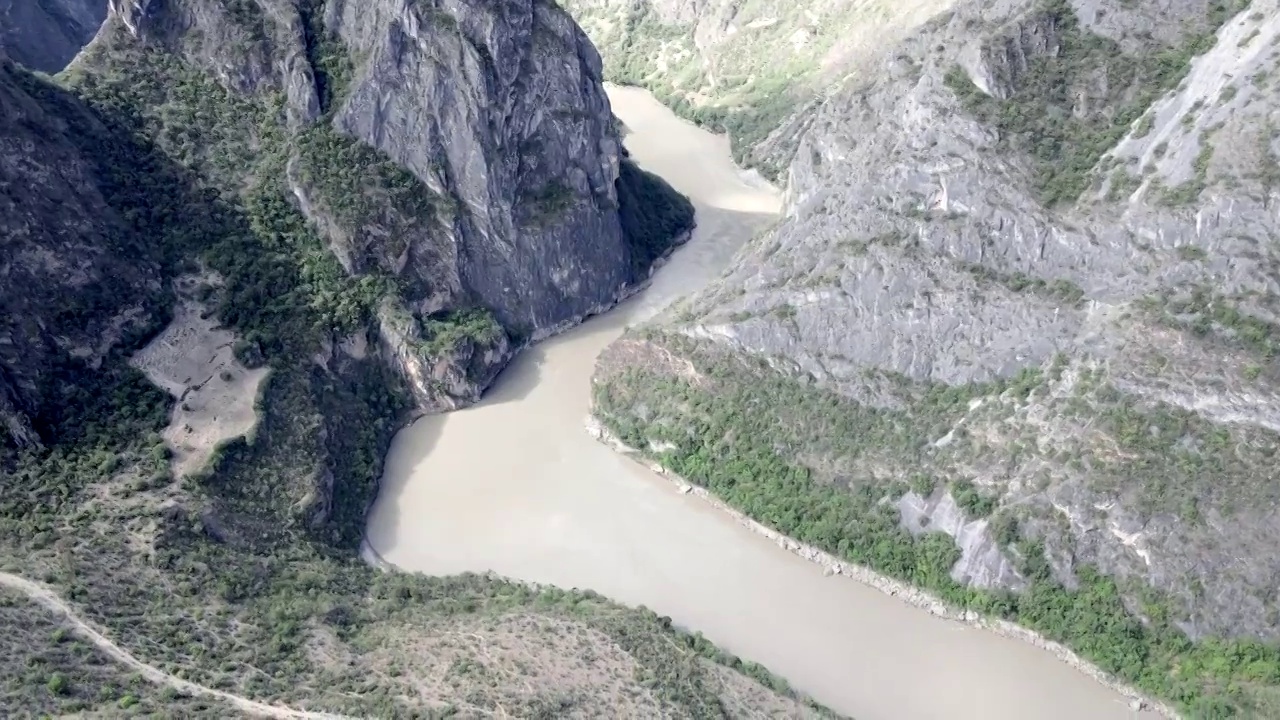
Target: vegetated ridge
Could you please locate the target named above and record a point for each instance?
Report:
(1016, 336)
(245, 242)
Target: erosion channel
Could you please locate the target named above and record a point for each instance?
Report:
(516, 486)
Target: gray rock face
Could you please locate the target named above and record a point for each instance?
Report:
(917, 241)
(501, 107)
(46, 34)
(982, 562)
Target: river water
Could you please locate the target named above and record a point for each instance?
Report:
(515, 485)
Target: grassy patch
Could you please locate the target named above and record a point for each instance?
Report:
(1207, 313)
(549, 202)
(1122, 185)
(1057, 290)
(1189, 191)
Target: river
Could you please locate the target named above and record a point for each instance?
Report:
(515, 485)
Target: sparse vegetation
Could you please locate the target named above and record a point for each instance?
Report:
(1191, 253)
(1189, 191)
(548, 202)
(49, 672)
(1039, 119)
(1122, 185)
(720, 439)
(1205, 312)
(653, 215)
(1144, 126)
(1058, 289)
(1268, 172)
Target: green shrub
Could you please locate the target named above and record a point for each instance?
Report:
(1040, 117)
(548, 202)
(444, 331)
(362, 188)
(653, 215)
(973, 502)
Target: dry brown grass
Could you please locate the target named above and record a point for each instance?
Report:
(40, 649)
(512, 665)
(633, 353)
(193, 360)
(747, 699)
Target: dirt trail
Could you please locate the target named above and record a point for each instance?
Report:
(55, 604)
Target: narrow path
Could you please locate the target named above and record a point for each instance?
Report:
(50, 600)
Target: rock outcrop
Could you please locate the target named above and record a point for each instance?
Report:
(499, 107)
(497, 112)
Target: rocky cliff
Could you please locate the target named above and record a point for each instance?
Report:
(1023, 304)
(45, 35)
(354, 206)
(500, 107)
(755, 70)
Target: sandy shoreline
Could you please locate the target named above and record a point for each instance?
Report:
(887, 585)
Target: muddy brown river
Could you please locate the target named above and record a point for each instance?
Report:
(516, 486)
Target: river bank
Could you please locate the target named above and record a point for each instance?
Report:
(885, 584)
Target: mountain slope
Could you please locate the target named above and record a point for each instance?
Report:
(79, 278)
(295, 270)
(752, 69)
(1017, 332)
(45, 35)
